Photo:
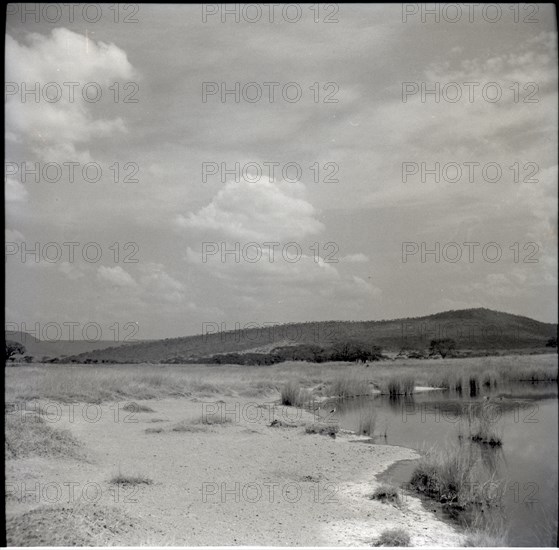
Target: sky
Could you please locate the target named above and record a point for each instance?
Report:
(137, 168)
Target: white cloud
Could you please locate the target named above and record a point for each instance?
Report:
(157, 282)
(256, 211)
(54, 128)
(116, 276)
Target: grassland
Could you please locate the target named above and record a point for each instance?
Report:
(195, 444)
(98, 384)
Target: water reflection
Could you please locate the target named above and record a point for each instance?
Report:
(523, 467)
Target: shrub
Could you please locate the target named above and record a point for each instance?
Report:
(442, 346)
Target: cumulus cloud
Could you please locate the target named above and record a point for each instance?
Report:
(55, 128)
(247, 217)
(116, 276)
(154, 280)
(259, 211)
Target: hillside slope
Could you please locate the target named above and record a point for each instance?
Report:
(472, 329)
(57, 348)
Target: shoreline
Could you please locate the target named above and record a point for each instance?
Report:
(334, 478)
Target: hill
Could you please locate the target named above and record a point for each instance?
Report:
(474, 330)
(40, 349)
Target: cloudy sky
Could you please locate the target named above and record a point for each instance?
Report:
(338, 149)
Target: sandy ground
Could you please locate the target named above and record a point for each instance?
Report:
(237, 483)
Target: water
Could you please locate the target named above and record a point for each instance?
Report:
(523, 469)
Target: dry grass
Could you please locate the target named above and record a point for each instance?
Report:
(486, 433)
(451, 477)
(402, 384)
(104, 383)
(77, 524)
(349, 384)
(393, 537)
(367, 421)
(135, 407)
(483, 539)
(154, 430)
(291, 393)
(137, 479)
(323, 429)
(188, 426)
(386, 493)
(29, 435)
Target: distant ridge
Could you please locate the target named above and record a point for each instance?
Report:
(476, 330)
(56, 348)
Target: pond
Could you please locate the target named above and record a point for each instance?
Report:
(523, 468)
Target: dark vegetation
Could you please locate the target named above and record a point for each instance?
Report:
(462, 333)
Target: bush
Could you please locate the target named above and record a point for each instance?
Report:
(442, 346)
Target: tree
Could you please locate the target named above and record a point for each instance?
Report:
(552, 342)
(13, 348)
(352, 350)
(443, 346)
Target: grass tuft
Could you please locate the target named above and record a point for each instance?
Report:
(323, 429)
(393, 537)
(367, 421)
(349, 384)
(76, 524)
(135, 407)
(450, 477)
(484, 539)
(29, 435)
(398, 385)
(153, 430)
(386, 493)
(291, 393)
(485, 434)
(122, 479)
